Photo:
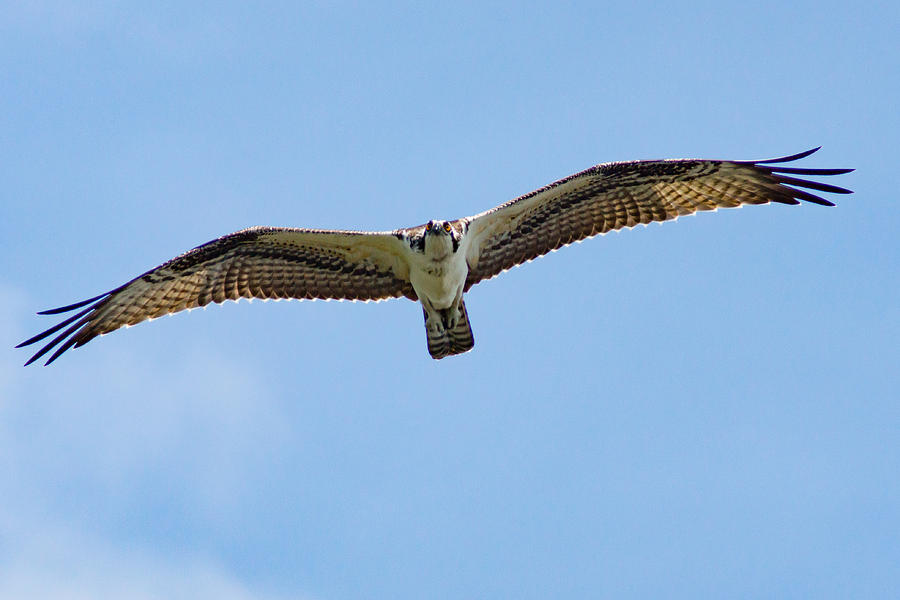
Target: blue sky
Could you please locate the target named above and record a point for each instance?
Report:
(707, 408)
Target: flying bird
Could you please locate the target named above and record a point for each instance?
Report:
(435, 263)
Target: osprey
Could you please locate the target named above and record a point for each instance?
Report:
(434, 263)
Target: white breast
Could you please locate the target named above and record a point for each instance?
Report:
(439, 274)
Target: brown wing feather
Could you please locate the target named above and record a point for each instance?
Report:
(616, 195)
(265, 263)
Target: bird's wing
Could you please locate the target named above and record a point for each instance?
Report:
(260, 262)
(624, 194)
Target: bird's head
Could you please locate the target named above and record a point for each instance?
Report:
(438, 228)
(441, 238)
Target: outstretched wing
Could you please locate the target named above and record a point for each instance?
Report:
(624, 194)
(260, 262)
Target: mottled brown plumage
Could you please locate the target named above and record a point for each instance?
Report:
(624, 194)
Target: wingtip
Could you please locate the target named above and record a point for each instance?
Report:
(790, 158)
(813, 185)
(69, 307)
(56, 355)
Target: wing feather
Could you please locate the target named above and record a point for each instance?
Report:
(265, 263)
(615, 195)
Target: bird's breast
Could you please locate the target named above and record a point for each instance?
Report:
(439, 280)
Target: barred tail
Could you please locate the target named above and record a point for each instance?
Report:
(452, 341)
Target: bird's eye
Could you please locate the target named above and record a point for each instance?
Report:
(428, 226)
(447, 227)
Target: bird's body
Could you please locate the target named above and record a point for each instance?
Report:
(438, 272)
(434, 263)
(438, 269)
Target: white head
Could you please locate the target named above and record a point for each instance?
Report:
(440, 239)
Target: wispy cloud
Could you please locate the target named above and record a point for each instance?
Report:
(202, 425)
(12, 307)
(199, 434)
(56, 17)
(178, 35)
(53, 561)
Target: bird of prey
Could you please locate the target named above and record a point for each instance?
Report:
(434, 263)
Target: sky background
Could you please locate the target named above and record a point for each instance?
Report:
(701, 409)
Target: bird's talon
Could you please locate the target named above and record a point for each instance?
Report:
(435, 326)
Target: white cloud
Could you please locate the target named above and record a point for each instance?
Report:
(184, 33)
(12, 306)
(54, 16)
(51, 561)
(201, 426)
(102, 434)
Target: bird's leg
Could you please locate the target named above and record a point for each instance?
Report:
(433, 321)
(453, 313)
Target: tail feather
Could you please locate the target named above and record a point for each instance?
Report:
(452, 341)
